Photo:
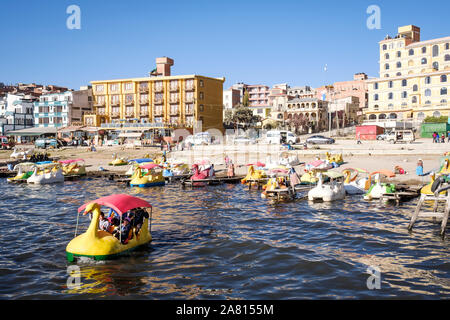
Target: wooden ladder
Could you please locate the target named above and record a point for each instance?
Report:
(436, 197)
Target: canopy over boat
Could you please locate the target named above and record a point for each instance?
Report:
(316, 163)
(71, 161)
(257, 164)
(333, 174)
(143, 160)
(23, 165)
(357, 170)
(120, 203)
(44, 162)
(384, 172)
(150, 166)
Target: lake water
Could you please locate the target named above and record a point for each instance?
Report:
(222, 242)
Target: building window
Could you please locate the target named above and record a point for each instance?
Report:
(384, 47)
(404, 94)
(411, 52)
(375, 85)
(436, 65)
(447, 57)
(435, 50)
(129, 86)
(436, 114)
(399, 64)
(386, 66)
(114, 87)
(444, 78)
(443, 101)
(398, 74)
(427, 93)
(414, 99)
(391, 84)
(201, 96)
(427, 80)
(386, 56)
(390, 96)
(447, 46)
(443, 91)
(399, 54)
(415, 87)
(424, 49)
(201, 108)
(404, 83)
(424, 61)
(99, 88)
(201, 83)
(375, 97)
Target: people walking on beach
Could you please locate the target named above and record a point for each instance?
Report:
(443, 138)
(437, 137)
(434, 137)
(448, 135)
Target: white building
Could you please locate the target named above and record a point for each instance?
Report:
(63, 109)
(16, 112)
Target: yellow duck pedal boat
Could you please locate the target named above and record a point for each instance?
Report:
(101, 245)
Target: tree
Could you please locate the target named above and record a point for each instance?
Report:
(442, 119)
(244, 116)
(245, 99)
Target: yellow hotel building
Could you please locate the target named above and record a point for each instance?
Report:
(414, 78)
(161, 101)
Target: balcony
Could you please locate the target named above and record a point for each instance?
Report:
(144, 113)
(158, 89)
(174, 112)
(159, 101)
(189, 112)
(174, 99)
(129, 114)
(158, 113)
(174, 88)
(129, 102)
(99, 103)
(115, 103)
(189, 99)
(189, 87)
(115, 114)
(143, 89)
(144, 101)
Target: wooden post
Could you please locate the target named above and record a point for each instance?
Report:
(445, 217)
(416, 213)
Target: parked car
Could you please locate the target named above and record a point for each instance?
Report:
(383, 136)
(397, 136)
(243, 140)
(6, 143)
(320, 140)
(281, 136)
(45, 143)
(199, 138)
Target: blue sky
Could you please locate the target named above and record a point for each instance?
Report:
(256, 42)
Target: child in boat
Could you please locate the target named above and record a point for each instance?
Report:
(104, 223)
(124, 231)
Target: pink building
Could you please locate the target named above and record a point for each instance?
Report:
(353, 88)
(258, 95)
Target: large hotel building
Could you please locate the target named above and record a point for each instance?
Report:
(414, 78)
(160, 101)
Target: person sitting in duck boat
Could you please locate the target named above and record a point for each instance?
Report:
(124, 231)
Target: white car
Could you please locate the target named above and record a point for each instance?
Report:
(243, 140)
(201, 138)
(278, 136)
